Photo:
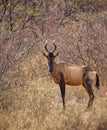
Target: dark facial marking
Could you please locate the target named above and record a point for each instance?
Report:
(50, 62)
(50, 55)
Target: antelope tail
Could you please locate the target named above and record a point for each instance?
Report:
(97, 81)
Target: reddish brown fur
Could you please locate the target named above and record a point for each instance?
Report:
(73, 75)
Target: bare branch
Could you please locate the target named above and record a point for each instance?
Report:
(4, 4)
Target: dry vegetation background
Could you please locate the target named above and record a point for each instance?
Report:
(29, 99)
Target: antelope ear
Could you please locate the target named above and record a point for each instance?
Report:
(57, 54)
(44, 54)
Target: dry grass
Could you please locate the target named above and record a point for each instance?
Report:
(39, 107)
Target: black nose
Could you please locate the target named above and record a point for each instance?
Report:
(50, 66)
(50, 70)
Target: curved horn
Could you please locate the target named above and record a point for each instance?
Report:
(46, 46)
(54, 47)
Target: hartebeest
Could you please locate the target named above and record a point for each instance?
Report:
(64, 74)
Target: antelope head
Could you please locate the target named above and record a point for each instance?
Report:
(50, 56)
